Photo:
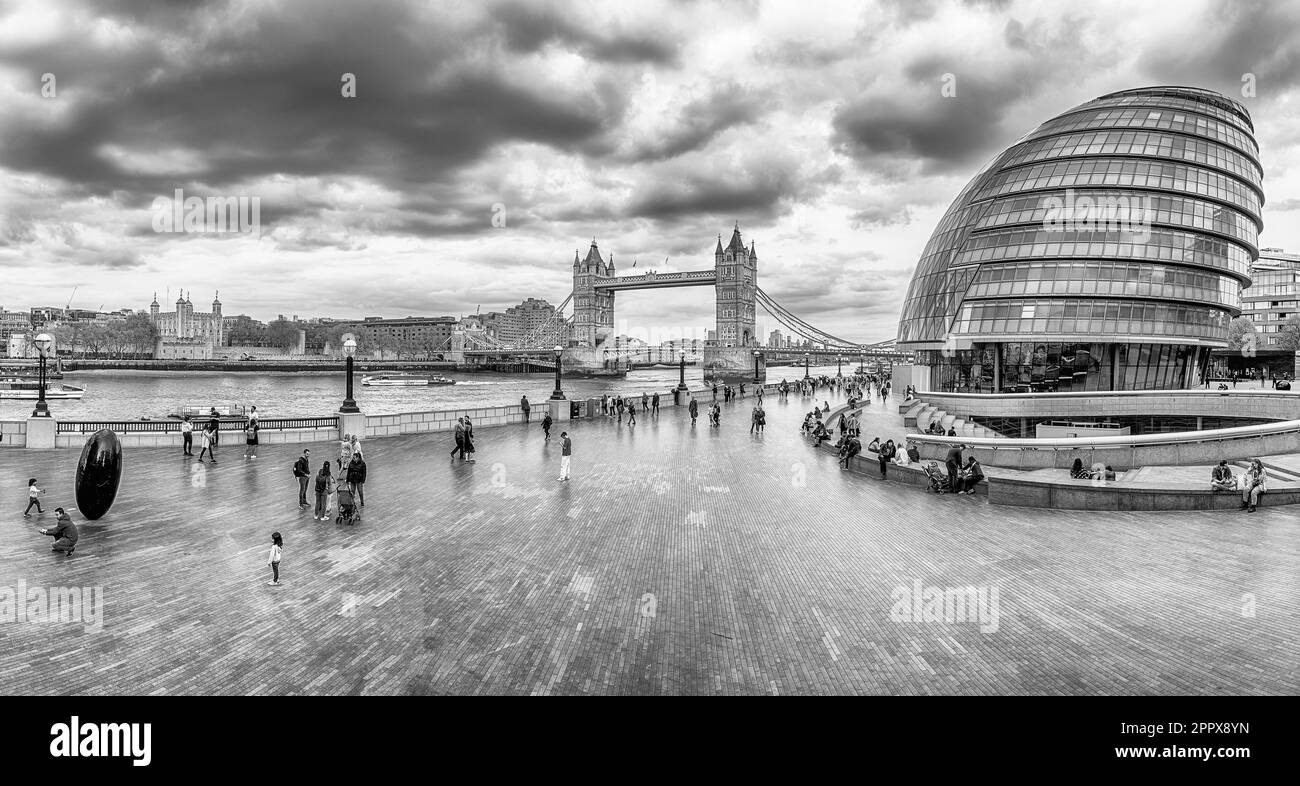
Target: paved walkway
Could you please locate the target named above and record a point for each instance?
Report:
(678, 560)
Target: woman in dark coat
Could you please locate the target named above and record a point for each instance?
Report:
(469, 439)
(356, 477)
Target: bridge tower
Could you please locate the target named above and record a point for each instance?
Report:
(737, 278)
(593, 312)
(732, 358)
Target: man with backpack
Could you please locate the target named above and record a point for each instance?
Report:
(302, 471)
(546, 425)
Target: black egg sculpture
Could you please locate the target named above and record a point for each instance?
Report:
(98, 474)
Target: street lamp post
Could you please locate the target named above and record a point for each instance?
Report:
(349, 349)
(862, 363)
(756, 353)
(839, 365)
(43, 342)
(806, 355)
(558, 395)
(681, 384)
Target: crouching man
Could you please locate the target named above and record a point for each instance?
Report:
(64, 532)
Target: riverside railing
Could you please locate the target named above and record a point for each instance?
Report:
(174, 426)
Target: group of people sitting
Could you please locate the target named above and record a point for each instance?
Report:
(1251, 484)
(1098, 471)
(936, 428)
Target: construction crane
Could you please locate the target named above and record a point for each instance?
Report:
(70, 297)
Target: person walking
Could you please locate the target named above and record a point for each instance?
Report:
(604, 404)
(64, 532)
(631, 413)
(302, 471)
(753, 419)
(694, 409)
(214, 423)
(209, 442)
(715, 391)
(357, 477)
(546, 425)
(277, 548)
(618, 405)
(654, 405)
(460, 439)
(645, 403)
(324, 488)
(523, 404)
(566, 455)
(250, 435)
(187, 437)
(33, 498)
(469, 440)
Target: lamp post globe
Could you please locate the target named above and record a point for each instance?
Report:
(557, 394)
(349, 349)
(43, 343)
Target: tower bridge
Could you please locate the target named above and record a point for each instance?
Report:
(736, 355)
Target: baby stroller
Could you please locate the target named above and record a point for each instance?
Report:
(938, 479)
(348, 512)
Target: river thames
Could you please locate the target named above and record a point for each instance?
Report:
(129, 395)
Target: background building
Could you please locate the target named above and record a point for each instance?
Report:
(14, 323)
(408, 335)
(1273, 295)
(1106, 250)
(186, 333)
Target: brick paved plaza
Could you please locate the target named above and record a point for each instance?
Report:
(678, 560)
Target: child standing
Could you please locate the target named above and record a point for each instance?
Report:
(33, 498)
(276, 546)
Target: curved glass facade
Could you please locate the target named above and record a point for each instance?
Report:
(1120, 233)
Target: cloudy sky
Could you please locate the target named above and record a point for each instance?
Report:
(651, 126)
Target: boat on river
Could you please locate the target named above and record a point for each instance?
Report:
(30, 390)
(403, 380)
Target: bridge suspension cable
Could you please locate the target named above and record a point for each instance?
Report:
(549, 332)
(801, 328)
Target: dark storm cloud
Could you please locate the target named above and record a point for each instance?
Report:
(267, 100)
(758, 195)
(942, 134)
(1235, 37)
(530, 26)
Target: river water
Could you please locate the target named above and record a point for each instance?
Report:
(127, 395)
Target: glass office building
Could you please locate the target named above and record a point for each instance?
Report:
(1105, 250)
